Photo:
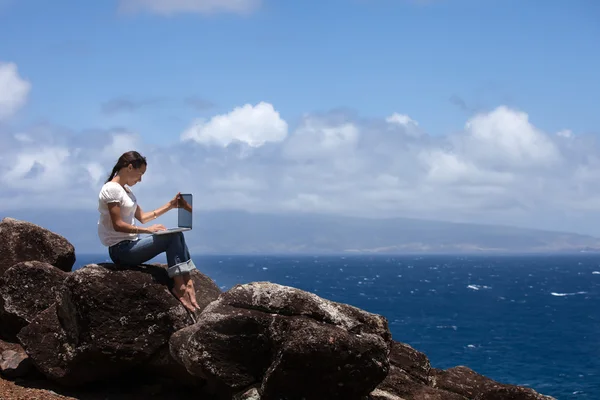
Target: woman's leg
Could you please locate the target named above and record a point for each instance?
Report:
(180, 266)
(140, 251)
(191, 291)
(137, 252)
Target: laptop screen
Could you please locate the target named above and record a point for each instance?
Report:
(184, 217)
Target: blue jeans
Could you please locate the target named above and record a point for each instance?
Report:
(136, 252)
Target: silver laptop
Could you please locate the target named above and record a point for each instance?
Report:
(184, 216)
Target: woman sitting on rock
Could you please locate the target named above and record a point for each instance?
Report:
(118, 231)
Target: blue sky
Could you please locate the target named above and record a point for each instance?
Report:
(374, 57)
(464, 110)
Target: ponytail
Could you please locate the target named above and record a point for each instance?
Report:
(131, 157)
(113, 173)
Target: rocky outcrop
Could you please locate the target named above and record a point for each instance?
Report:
(24, 241)
(256, 341)
(105, 322)
(281, 337)
(26, 289)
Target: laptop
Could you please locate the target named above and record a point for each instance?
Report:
(184, 216)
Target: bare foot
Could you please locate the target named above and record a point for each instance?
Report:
(181, 295)
(192, 294)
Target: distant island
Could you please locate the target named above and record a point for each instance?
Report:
(238, 232)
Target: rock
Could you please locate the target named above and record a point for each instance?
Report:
(283, 338)
(14, 362)
(379, 394)
(409, 376)
(468, 383)
(106, 322)
(251, 393)
(26, 289)
(24, 241)
(462, 380)
(411, 361)
(512, 393)
(403, 385)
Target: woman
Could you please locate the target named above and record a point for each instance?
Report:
(117, 228)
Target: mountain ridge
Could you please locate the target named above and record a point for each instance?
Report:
(240, 232)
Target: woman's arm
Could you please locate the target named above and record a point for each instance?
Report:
(121, 226)
(145, 217)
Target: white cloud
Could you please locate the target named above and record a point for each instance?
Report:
(504, 137)
(500, 169)
(37, 169)
(317, 138)
(401, 119)
(565, 133)
(13, 90)
(170, 7)
(252, 125)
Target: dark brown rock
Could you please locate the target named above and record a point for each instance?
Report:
(512, 393)
(26, 289)
(338, 364)
(228, 347)
(106, 322)
(468, 383)
(399, 383)
(23, 241)
(413, 362)
(294, 343)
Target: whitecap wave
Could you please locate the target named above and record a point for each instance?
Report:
(596, 273)
(478, 287)
(566, 294)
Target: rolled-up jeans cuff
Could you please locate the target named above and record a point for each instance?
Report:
(181, 268)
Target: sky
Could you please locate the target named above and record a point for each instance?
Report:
(478, 111)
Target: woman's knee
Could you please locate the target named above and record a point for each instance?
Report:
(177, 237)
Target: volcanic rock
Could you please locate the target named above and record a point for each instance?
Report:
(282, 338)
(24, 241)
(26, 289)
(105, 322)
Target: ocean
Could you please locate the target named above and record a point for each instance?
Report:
(527, 320)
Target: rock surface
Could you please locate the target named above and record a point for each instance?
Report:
(26, 289)
(281, 337)
(24, 241)
(409, 377)
(104, 323)
(104, 332)
(471, 385)
(14, 362)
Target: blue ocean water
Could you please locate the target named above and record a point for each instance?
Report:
(525, 320)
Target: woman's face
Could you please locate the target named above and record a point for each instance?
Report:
(135, 174)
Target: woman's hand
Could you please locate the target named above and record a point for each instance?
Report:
(175, 202)
(156, 228)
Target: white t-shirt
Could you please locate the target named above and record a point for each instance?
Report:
(112, 192)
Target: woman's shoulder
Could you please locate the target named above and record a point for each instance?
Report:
(111, 190)
(111, 186)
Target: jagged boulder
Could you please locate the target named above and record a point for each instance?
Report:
(107, 321)
(26, 289)
(24, 241)
(292, 343)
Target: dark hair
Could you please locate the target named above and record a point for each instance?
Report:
(131, 157)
